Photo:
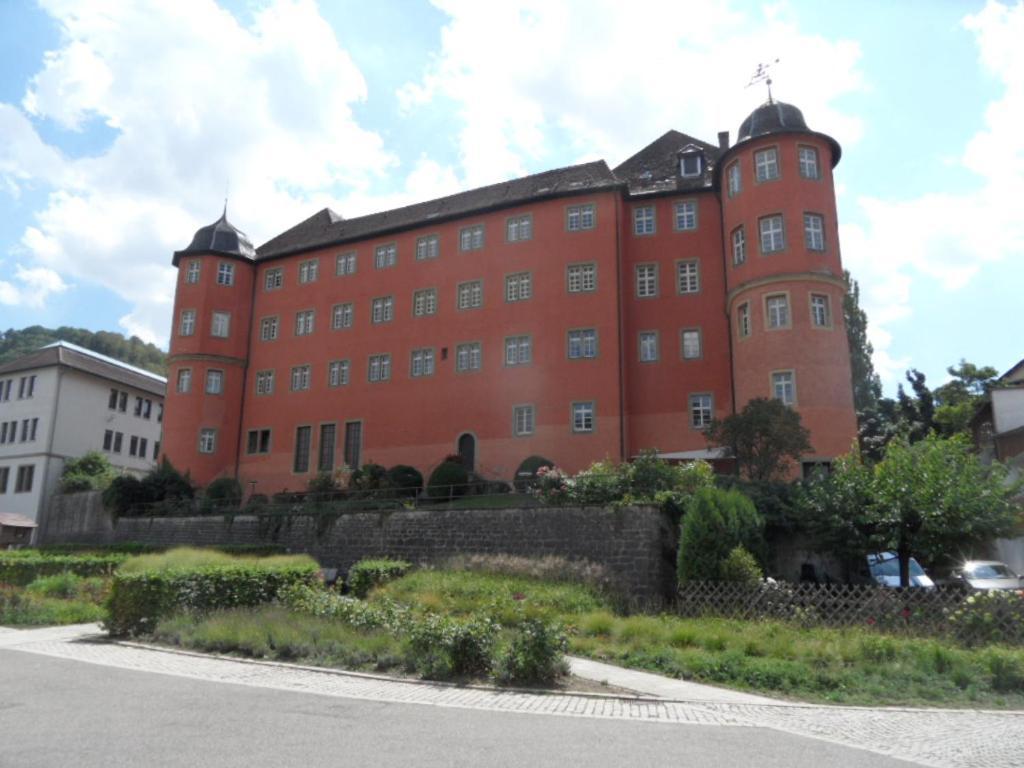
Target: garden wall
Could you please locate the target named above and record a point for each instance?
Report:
(636, 544)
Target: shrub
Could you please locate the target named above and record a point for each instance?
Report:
(164, 482)
(448, 480)
(89, 472)
(443, 647)
(127, 495)
(989, 617)
(603, 482)
(22, 608)
(406, 481)
(741, 567)
(535, 654)
(526, 474)
(149, 587)
(321, 487)
(24, 567)
(367, 478)
(367, 574)
(124, 496)
(224, 492)
(715, 522)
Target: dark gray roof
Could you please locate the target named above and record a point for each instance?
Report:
(655, 168)
(220, 238)
(328, 228)
(777, 117)
(81, 359)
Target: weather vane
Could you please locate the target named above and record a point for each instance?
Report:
(764, 75)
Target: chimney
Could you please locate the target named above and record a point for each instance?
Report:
(723, 139)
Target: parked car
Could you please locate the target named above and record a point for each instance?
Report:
(884, 568)
(988, 574)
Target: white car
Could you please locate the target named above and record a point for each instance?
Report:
(885, 570)
(988, 574)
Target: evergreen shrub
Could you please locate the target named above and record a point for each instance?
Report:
(715, 522)
(448, 480)
(367, 574)
(403, 480)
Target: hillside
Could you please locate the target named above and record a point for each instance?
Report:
(134, 351)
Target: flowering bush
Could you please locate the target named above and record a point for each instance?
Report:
(990, 617)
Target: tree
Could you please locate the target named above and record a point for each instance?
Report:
(89, 472)
(134, 351)
(715, 523)
(867, 386)
(958, 399)
(763, 438)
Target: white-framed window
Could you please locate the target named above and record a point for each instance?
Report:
(470, 295)
(338, 373)
(583, 416)
(701, 410)
(220, 324)
(424, 302)
(739, 246)
(471, 238)
(688, 276)
(582, 343)
(422, 362)
(379, 368)
(214, 382)
(519, 228)
(345, 264)
(308, 270)
(772, 234)
(385, 256)
(686, 215)
(648, 346)
(192, 272)
(264, 382)
(268, 328)
(342, 316)
(814, 232)
(188, 322)
(734, 179)
(225, 273)
(643, 220)
(581, 278)
(304, 322)
(808, 160)
(691, 344)
(522, 420)
(273, 279)
(777, 311)
(579, 217)
(518, 350)
(207, 440)
(184, 380)
(468, 357)
(646, 281)
(382, 309)
(743, 319)
(428, 247)
(690, 165)
(784, 386)
(766, 164)
(821, 311)
(300, 378)
(518, 287)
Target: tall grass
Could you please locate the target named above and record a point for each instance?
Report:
(188, 558)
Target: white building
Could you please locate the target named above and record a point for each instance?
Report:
(61, 401)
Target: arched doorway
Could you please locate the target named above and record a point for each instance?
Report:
(467, 450)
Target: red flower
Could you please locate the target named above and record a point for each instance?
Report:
(906, 613)
(871, 620)
(518, 596)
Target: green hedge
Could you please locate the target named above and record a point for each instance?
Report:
(23, 567)
(193, 580)
(367, 574)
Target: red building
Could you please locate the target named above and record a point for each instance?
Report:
(579, 314)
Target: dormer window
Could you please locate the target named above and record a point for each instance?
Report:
(691, 162)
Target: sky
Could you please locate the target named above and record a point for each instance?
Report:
(125, 123)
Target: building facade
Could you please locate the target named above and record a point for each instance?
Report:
(62, 401)
(578, 314)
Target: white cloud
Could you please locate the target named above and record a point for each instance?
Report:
(31, 287)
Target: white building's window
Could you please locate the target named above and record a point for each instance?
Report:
(264, 382)
(207, 440)
(583, 417)
(379, 368)
(342, 316)
(428, 247)
(23, 480)
(686, 215)
(734, 179)
(784, 387)
(422, 363)
(581, 278)
(188, 322)
(578, 217)
(772, 234)
(220, 325)
(814, 232)
(518, 350)
(691, 344)
(470, 295)
(743, 320)
(518, 287)
(688, 276)
(468, 357)
(821, 311)
(385, 256)
(304, 322)
(739, 246)
(643, 220)
(215, 382)
(777, 311)
(345, 264)
(338, 373)
(192, 272)
(225, 273)
(522, 420)
(184, 380)
(308, 270)
(519, 228)
(424, 302)
(268, 328)
(808, 158)
(300, 378)
(382, 310)
(646, 281)
(471, 238)
(273, 279)
(766, 164)
(582, 343)
(701, 411)
(648, 346)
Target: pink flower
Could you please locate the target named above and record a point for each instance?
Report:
(518, 596)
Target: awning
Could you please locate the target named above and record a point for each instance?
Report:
(12, 520)
(707, 454)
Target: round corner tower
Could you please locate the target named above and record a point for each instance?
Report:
(784, 281)
(209, 351)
